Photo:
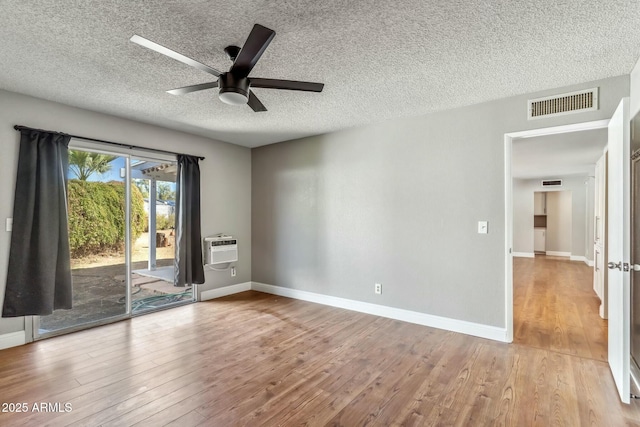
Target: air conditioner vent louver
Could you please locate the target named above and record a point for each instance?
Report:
(552, 183)
(567, 103)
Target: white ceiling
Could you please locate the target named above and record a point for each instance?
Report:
(379, 60)
(554, 156)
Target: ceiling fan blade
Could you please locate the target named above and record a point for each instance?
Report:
(286, 84)
(253, 48)
(173, 54)
(193, 88)
(255, 103)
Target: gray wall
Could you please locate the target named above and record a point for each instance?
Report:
(582, 199)
(225, 173)
(398, 203)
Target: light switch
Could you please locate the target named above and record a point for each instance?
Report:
(9, 226)
(483, 227)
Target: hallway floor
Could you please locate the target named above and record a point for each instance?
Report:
(556, 308)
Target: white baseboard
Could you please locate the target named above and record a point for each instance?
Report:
(484, 331)
(581, 258)
(12, 339)
(524, 254)
(223, 292)
(555, 253)
(589, 262)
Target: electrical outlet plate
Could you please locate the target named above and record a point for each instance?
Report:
(233, 272)
(9, 226)
(378, 288)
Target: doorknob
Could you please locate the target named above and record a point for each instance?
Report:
(613, 266)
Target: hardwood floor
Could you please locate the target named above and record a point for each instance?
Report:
(555, 307)
(258, 359)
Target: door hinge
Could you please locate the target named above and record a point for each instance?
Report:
(625, 266)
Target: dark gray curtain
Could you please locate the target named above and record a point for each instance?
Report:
(39, 275)
(189, 267)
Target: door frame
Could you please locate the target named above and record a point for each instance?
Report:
(508, 202)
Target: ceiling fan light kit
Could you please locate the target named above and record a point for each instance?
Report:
(233, 91)
(233, 98)
(235, 85)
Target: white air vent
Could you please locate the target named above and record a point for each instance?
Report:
(552, 183)
(567, 103)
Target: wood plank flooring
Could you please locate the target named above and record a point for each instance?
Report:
(256, 359)
(555, 307)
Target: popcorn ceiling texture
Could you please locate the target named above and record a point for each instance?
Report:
(378, 59)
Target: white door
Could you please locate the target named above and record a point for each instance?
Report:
(618, 201)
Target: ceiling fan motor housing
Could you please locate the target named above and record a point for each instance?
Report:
(233, 90)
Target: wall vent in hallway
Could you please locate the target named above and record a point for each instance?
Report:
(552, 183)
(566, 103)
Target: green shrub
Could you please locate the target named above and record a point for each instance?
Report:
(162, 222)
(97, 216)
(165, 222)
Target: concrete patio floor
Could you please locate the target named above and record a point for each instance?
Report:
(100, 293)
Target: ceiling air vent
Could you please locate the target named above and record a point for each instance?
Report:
(567, 103)
(552, 183)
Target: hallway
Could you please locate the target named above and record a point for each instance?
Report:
(555, 307)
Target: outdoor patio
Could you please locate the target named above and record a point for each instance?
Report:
(99, 292)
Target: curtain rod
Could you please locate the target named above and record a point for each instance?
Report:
(119, 144)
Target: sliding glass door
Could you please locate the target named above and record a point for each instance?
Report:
(97, 233)
(153, 256)
(121, 228)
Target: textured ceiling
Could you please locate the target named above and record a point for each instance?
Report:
(378, 59)
(558, 155)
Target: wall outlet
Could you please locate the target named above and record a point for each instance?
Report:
(378, 288)
(233, 272)
(9, 226)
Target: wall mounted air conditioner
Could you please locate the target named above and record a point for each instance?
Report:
(220, 250)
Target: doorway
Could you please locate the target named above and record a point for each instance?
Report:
(513, 237)
(553, 223)
(153, 251)
(122, 226)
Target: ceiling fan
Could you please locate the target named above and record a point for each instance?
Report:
(235, 85)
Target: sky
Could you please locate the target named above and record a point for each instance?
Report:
(112, 175)
(117, 167)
